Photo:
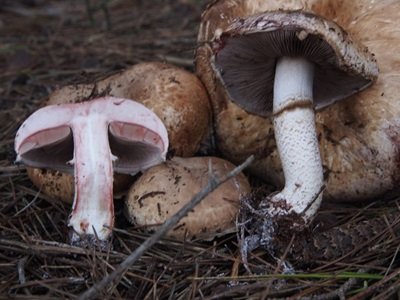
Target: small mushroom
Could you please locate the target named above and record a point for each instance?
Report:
(162, 190)
(91, 139)
(176, 96)
(279, 64)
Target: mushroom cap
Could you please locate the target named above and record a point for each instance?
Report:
(175, 95)
(247, 52)
(162, 190)
(137, 136)
(60, 186)
(358, 136)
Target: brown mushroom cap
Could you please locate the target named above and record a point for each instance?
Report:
(246, 53)
(60, 186)
(162, 190)
(176, 96)
(358, 136)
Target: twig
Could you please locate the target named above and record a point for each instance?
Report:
(372, 288)
(281, 262)
(341, 291)
(21, 270)
(183, 62)
(213, 183)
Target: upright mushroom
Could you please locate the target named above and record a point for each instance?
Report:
(358, 136)
(285, 63)
(93, 138)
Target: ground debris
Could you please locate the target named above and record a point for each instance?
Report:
(47, 44)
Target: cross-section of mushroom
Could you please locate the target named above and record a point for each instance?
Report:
(93, 138)
(175, 95)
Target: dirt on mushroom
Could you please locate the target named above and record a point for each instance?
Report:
(65, 44)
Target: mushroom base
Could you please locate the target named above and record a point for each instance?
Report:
(90, 241)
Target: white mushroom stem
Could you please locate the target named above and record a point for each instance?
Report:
(295, 134)
(93, 208)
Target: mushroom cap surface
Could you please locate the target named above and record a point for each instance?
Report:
(60, 186)
(358, 136)
(175, 95)
(246, 53)
(162, 190)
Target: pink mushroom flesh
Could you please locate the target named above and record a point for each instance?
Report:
(93, 139)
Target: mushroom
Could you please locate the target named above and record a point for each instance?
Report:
(92, 138)
(355, 140)
(176, 96)
(162, 190)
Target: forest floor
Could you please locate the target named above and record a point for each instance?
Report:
(47, 44)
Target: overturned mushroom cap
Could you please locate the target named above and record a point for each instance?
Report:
(162, 190)
(357, 136)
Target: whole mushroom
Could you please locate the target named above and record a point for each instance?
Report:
(357, 137)
(92, 139)
(176, 96)
(162, 190)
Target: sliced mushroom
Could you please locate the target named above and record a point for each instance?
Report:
(357, 136)
(92, 139)
(162, 190)
(175, 95)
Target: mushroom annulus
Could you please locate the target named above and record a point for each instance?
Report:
(92, 139)
(283, 65)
